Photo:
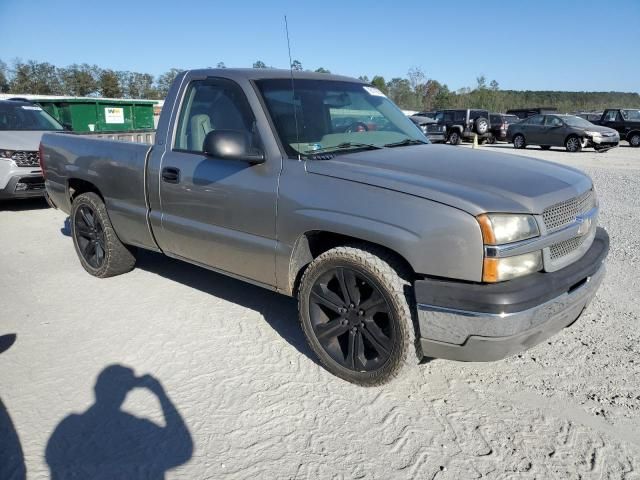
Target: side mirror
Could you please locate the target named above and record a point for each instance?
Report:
(232, 145)
(67, 127)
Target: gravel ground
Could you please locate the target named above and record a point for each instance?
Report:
(238, 393)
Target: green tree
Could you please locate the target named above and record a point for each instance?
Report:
(378, 82)
(221, 65)
(4, 77)
(322, 70)
(35, 78)
(494, 85)
(109, 85)
(259, 64)
(296, 65)
(78, 80)
(166, 80)
(401, 93)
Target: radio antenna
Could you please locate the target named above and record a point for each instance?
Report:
(293, 88)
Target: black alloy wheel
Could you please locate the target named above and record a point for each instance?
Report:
(90, 236)
(351, 319)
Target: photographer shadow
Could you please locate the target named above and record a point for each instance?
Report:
(106, 442)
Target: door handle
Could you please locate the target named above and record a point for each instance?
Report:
(171, 175)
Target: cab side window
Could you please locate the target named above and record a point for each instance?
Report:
(535, 120)
(611, 116)
(213, 104)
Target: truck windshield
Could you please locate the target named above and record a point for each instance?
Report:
(21, 116)
(335, 116)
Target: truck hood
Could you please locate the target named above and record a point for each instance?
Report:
(475, 181)
(20, 139)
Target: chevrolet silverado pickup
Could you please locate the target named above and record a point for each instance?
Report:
(318, 187)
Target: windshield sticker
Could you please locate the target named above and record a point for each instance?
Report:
(30, 107)
(374, 91)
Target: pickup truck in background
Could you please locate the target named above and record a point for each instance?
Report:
(394, 248)
(625, 120)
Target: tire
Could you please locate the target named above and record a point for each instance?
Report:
(481, 125)
(519, 141)
(366, 298)
(634, 140)
(455, 138)
(545, 147)
(573, 144)
(100, 251)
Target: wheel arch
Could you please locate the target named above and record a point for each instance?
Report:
(313, 243)
(78, 186)
(631, 134)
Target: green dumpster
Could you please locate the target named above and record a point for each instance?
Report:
(100, 114)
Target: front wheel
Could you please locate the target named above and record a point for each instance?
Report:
(573, 144)
(356, 310)
(519, 142)
(634, 140)
(100, 251)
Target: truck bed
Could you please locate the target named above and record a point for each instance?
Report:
(116, 168)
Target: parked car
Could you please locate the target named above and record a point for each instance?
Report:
(387, 242)
(592, 117)
(569, 131)
(464, 124)
(523, 113)
(21, 127)
(435, 132)
(626, 121)
(499, 124)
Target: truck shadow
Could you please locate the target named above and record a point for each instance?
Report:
(24, 204)
(280, 311)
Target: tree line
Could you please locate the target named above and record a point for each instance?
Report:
(416, 91)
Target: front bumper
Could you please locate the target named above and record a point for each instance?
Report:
(437, 137)
(486, 322)
(23, 186)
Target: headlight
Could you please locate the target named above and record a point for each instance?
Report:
(501, 269)
(6, 153)
(499, 228)
(593, 134)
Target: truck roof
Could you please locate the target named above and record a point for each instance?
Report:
(270, 73)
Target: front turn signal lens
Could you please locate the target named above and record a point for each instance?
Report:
(502, 269)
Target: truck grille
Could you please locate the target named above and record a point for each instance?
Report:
(562, 249)
(26, 159)
(564, 213)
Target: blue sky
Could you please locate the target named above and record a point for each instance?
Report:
(537, 45)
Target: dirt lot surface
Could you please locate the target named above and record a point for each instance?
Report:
(239, 395)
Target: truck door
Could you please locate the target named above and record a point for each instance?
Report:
(215, 212)
(612, 119)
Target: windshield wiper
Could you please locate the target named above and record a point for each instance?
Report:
(343, 146)
(406, 141)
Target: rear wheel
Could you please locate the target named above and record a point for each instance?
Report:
(454, 138)
(634, 140)
(519, 142)
(356, 310)
(573, 144)
(100, 251)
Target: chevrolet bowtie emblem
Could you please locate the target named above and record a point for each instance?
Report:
(584, 225)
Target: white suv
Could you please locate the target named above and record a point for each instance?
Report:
(21, 127)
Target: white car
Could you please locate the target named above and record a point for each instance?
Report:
(21, 127)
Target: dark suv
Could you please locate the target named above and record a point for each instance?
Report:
(499, 124)
(464, 124)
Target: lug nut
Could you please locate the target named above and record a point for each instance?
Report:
(351, 305)
(360, 312)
